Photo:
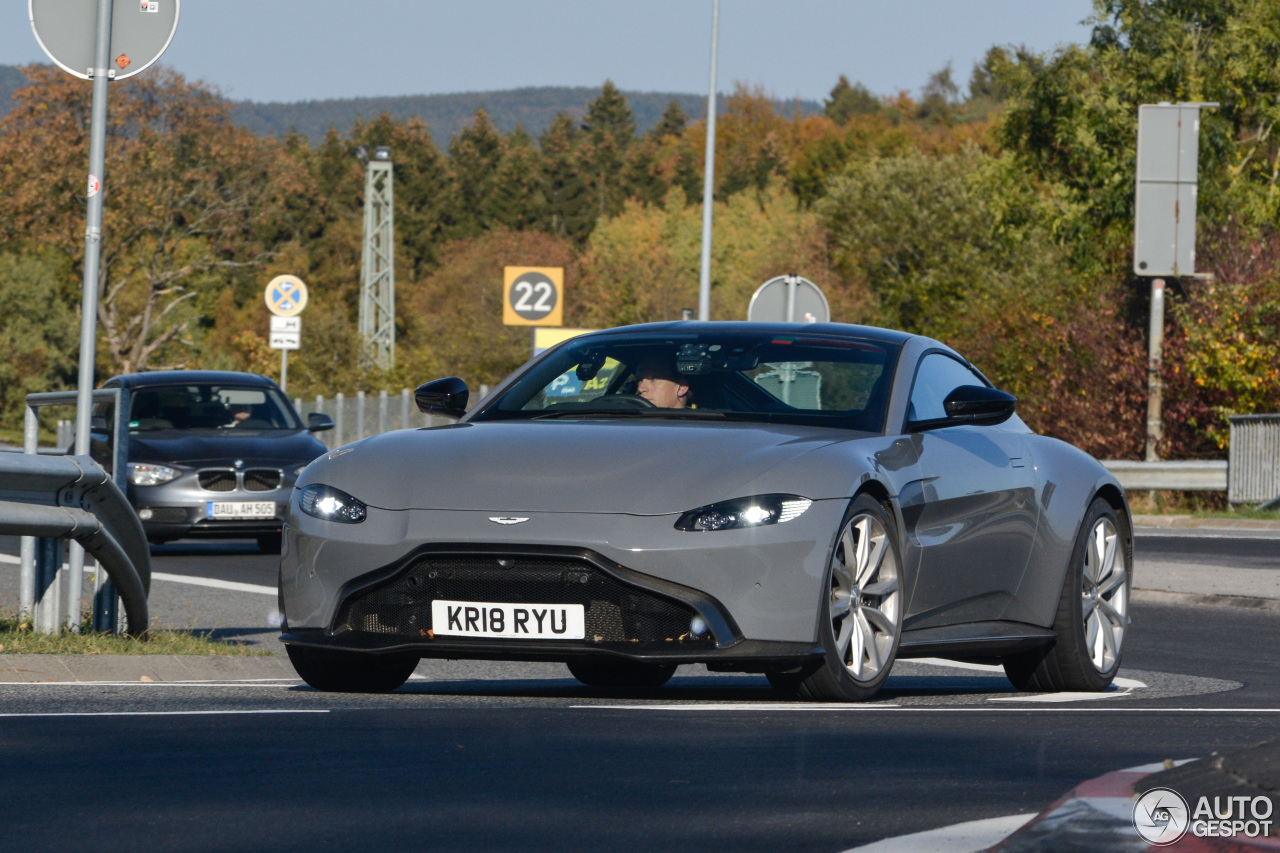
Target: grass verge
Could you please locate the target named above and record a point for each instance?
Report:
(17, 638)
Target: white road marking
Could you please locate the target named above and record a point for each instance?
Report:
(215, 583)
(171, 578)
(217, 713)
(968, 837)
(996, 669)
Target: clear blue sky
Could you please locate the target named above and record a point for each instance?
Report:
(288, 50)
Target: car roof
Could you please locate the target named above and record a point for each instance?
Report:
(188, 377)
(808, 329)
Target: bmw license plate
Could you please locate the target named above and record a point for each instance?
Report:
(513, 621)
(240, 509)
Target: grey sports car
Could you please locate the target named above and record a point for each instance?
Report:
(810, 502)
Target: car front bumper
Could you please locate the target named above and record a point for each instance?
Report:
(182, 510)
(758, 590)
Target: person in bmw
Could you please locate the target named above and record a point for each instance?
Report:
(211, 454)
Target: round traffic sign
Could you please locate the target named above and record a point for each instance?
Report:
(789, 299)
(532, 296)
(140, 32)
(286, 296)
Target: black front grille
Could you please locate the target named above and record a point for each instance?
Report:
(616, 613)
(261, 479)
(215, 480)
(168, 514)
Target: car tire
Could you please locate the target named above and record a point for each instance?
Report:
(861, 622)
(336, 671)
(621, 673)
(1093, 612)
(269, 543)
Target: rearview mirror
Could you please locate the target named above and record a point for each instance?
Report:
(972, 405)
(318, 422)
(446, 397)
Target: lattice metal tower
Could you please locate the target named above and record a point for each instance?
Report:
(378, 264)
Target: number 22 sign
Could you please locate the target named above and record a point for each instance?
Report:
(533, 296)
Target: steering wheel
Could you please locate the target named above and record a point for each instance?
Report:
(627, 401)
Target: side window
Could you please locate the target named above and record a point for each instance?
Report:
(937, 377)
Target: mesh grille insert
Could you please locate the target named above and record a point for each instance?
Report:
(168, 514)
(261, 479)
(215, 480)
(617, 614)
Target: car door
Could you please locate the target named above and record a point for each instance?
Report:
(972, 515)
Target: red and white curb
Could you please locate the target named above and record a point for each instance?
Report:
(969, 837)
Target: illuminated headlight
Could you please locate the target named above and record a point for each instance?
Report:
(144, 474)
(744, 512)
(332, 505)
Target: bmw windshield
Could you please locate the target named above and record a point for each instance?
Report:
(822, 380)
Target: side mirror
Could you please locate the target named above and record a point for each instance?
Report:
(446, 397)
(317, 422)
(972, 405)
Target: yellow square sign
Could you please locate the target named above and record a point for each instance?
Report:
(533, 296)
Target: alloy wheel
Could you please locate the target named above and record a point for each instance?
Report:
(865, 597)
(1105, 605)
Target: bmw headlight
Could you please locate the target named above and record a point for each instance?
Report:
(744, 512)
(146, 474)
(332, 505)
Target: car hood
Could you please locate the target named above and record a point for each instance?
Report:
(645, 468)
(222, 447)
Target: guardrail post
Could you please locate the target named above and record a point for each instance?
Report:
(404, 408)
(48, 585)
(382, 411)
(359, 415)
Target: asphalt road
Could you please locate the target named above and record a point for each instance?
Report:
(519, 756)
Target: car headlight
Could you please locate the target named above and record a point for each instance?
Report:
(744, 512)
(146, 474)
(332, 505)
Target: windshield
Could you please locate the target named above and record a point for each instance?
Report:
(756, 376)
(210, 406)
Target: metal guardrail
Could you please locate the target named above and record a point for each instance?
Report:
(41, 558)
(1254, 455)
(72, 497)
(1194, 476)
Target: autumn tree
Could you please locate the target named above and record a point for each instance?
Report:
(192, 202)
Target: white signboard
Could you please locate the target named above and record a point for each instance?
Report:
(286, 340)
(286, 324)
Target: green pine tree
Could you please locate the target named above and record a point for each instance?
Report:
(569, 211)
(474, 155)
(672, 123)
(847, 101)
(517, 197)
(610, 129)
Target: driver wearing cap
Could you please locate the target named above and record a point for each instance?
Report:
(660, 383)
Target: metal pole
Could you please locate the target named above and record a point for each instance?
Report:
(284, 370)
(793, 284)
(27, 544)
(93, 229)
(708, 187)
(1155, 385)
(97, 189)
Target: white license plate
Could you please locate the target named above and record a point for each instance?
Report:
(241, 509)
(513, 621)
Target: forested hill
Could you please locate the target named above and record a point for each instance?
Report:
(532, 107)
